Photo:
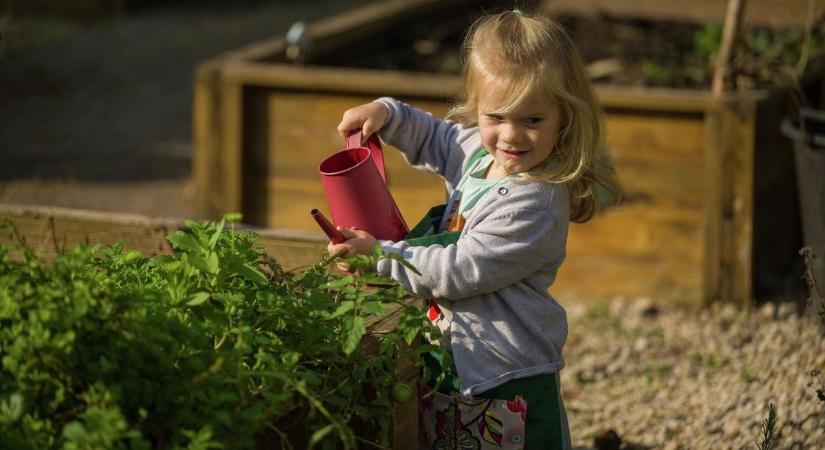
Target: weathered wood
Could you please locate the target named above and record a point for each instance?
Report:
(206, 138)
(774, 13)
(729, 275)
(52, 230)
(231, 114)
(712, 228)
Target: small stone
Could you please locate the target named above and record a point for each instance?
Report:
(786, 310)
(768, 310)
(728, 312)
(618, 306)
(607, 440)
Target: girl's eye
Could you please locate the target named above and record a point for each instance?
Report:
(532, 120)
(495, 117)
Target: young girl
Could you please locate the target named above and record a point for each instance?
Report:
(524, 159)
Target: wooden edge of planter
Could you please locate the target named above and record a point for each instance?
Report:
(422, 84)
(52, 230)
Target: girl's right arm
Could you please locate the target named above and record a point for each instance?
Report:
(426, 142)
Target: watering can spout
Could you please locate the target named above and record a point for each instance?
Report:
(354, 182)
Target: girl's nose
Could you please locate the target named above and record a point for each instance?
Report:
(510, 133)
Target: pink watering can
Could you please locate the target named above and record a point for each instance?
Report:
(356, 189)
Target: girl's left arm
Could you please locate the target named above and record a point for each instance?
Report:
(500, 250)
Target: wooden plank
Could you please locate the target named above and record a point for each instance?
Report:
(670, 283)
(52, 230)
(206, 136)
(774, 13)
(231, 153)
(641, 234)
(742, 142)
(712, 264)
(346, 80)
(652, 135)
(730, 216)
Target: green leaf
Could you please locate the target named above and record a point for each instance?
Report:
(320, 434)
(184, 241)
(233, 217)
(248, 271)
(199, 262)
(291, 358)
(343, 308)
(217, 234)
(212, 263)
(340, 282)
(355, 330)
(11, 409)
(131, 255)
(74, 431)
(197, 298)
(372, 308)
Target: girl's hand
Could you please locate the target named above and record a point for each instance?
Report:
(358, 242)
(369, 117)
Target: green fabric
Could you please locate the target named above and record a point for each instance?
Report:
(546, 426)
(476, 185)
(425, 233)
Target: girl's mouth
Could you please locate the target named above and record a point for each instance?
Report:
(513, 153)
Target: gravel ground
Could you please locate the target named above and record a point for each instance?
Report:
(673, 378)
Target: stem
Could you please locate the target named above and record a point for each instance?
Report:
(733, 17)
(806, 41)
(282, 436)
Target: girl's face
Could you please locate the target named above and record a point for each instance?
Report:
(520, 139)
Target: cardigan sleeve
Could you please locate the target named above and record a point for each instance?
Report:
(500, 250)
(426, 142)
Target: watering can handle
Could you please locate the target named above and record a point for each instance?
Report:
(373, 144)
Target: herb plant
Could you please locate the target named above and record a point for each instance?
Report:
(214, 346)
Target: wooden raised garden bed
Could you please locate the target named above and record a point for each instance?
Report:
(52, 230)
(709, 182)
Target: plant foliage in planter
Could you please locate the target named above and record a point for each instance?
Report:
(215, 346)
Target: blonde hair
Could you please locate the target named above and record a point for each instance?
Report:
(527, 54)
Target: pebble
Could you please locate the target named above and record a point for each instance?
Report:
(672, 377)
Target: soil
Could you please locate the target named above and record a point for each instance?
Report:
(618, 51)
(97, 113)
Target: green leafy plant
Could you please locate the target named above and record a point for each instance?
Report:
(770, 436)
(214, 346)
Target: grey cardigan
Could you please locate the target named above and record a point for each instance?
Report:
(504, 325)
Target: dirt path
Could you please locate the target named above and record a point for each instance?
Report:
(98, 115)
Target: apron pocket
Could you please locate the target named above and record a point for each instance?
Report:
(468, 423)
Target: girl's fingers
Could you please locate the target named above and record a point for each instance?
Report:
(339, 250)
(347, 232)
(367, 130)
